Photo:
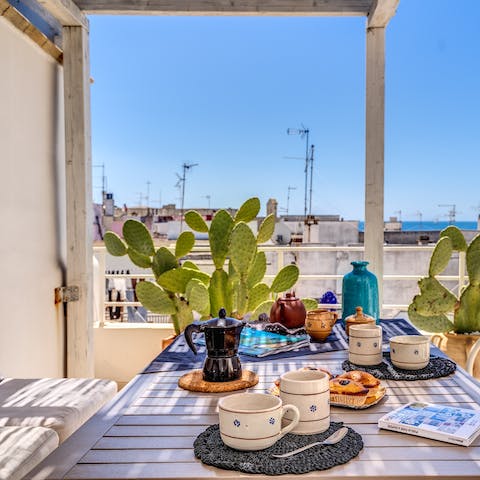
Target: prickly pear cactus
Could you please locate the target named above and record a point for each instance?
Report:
(163, 260)
(248, 210)
(473, 261)
(434, 324)
(138, 238)
(184, 315)
(198, 297)
(184, 244)
(243, 248)
(310, 304)
(154, 298)
(219, 237)
(285, 279)
(467, 315)
(195, 221)
(114, 244)
(176, 279)
(139, 259)
(257, 295)
(456, 236)
(266, 229)
(264, 307)
(440, 256)
(219, 295)
(257, 270)
(434, 298)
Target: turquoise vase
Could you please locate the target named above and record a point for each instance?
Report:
(360, 289)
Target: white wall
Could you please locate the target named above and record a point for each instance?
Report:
(32, 189)
(123, 350)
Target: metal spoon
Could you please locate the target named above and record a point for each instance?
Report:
(332, 439)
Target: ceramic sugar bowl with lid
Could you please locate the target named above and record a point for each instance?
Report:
(359, 318)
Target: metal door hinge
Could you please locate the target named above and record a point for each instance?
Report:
(67, 294)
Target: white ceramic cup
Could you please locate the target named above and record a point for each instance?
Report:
(410, 352)
(253, 421)
(365, 344)
(309, 391)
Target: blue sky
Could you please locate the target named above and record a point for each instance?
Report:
(222, 91)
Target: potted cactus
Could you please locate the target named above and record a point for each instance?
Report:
(180, 287)
(436, 309)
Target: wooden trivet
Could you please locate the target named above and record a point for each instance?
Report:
(194, 382)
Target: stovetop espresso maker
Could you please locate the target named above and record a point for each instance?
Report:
(222, 339)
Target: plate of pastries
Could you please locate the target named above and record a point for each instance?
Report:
(354, 389)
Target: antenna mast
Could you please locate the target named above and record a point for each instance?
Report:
(181, 182)
(452, 213)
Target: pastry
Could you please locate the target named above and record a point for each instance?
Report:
(365, 378)
(348, 392)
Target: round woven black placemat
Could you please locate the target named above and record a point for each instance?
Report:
(437, 367)
(210, 449)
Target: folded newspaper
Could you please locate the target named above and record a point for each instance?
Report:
(259, 343)
(439, 422)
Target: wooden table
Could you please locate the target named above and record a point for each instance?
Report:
(148, 431)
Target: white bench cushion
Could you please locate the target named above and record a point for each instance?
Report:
(63, 404)
(23, 448)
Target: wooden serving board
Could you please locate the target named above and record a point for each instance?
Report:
(194, 382)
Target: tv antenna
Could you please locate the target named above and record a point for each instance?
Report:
(208, 197)
(288, 196)
(304, 133)
(181, 184)
(452, 213)
(399, 213)
(420, 219)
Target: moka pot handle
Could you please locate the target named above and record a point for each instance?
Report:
(193, 327)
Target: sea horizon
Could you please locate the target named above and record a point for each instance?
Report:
(416, 225)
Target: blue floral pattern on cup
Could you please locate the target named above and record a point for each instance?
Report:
(313, 408)
(236, 422)
(271, 421)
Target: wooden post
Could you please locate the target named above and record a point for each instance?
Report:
(374, 153)
(80, 361)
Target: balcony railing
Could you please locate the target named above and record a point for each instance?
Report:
(412, 260)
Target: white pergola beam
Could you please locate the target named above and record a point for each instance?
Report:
(76, 68)
(228, 7)
(381, 12)
(66, 12)
(374, 152)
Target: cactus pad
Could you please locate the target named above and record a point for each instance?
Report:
(114, 244)
(285, 279)
(473, 261)
(434, 298)
(184, 315)
(142, 261)
(195, 221)
(219, 237)
(440, 256)
(257, 270)
(266, 229)
(248, 211)
(218, 289)
(456, 236)
(190, 264)
(257, 295)
(184, 244)
(198, 297)
(467, 314)
(163, 260)
(434, 324)
(310, 303)
(264, 307)
(155, 299)
(243, 248)
(176, 280)
(138, 237)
